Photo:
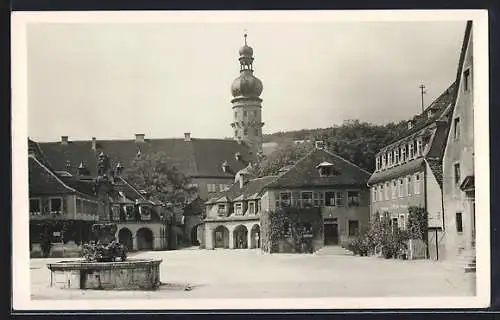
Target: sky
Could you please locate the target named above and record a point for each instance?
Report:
(111, 81)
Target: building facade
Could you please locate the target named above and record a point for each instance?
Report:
(320, 181)
(409, 173)
(458, 163)
(333, 185)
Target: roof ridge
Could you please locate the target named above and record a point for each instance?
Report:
(53, 174)
(347, 161)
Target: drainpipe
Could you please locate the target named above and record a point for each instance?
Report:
(425, 208)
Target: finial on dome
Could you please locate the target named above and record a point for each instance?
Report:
(245, 36)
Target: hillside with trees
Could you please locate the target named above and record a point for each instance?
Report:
(355, 141)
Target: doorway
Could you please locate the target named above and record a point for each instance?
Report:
(331, 234)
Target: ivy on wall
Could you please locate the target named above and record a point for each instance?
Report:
(417, 223)
(290, 229)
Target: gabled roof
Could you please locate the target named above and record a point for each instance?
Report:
(195, 158)
(305, 174)
(45, 182)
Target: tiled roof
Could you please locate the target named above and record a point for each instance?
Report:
(398, 171)
(42, 181)
(440, 105)
(195, 158)
(304, 172)
(436, 166)
(249, 190)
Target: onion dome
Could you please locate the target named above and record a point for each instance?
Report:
(246, 85)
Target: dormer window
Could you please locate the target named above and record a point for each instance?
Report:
(325, 169)
(410, 125)
(145, 212)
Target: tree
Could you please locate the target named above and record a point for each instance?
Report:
(286, 154)
(160, 179)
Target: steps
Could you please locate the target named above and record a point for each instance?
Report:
(465, 261)
(333, 251)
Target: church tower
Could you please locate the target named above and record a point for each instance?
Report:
(247, 104)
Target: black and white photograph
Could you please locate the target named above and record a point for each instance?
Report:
(242, 160)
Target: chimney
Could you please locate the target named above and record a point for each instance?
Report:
(82, 170)
(242, 180)
(225, 166)
(319, 145)
(119, 169)
(94, 143)
(187, 136)
(139, 137)
(64, 140)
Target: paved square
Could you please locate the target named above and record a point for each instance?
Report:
(251, 274)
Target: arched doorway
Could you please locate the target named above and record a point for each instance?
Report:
(144, 239)
(255, 236)
(194, 236)
(240, 237)
(125, 238)
(221, 237)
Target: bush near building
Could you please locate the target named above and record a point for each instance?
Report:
(291, 230)
(389, 240)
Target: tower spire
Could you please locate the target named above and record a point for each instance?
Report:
(245, 35)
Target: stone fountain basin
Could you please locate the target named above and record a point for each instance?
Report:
(132, 274)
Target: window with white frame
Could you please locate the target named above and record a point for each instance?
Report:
(211, 187)
(339, 199)
(319, 199)
(55, 205)
(251, 207)
(403, 153)
(115, 210)
(384, 164)
(35, 206)
(222, 187)
(401, 188)
(353, 198)
(387, 186)
(419, 147)
(374, 190)
(411, 153)
(380, 192)
(145, 212)
(416, 186)
(389, 159)
(221, 208)
(396, 156)
(377, 164)
(306, 198)
(285, 199)
(330, 198)
(238, 208)
(408, 186)
(394, 189)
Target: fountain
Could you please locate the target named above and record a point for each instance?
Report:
(105, 265)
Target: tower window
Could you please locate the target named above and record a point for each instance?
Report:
(456, 128)
(458, 221)
(466, 80)
(457, 173)
(245, 114)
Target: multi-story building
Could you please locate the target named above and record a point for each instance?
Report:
(408, 171)
(432, 166)
(61, 209)
(458, 163)
(321, 180)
